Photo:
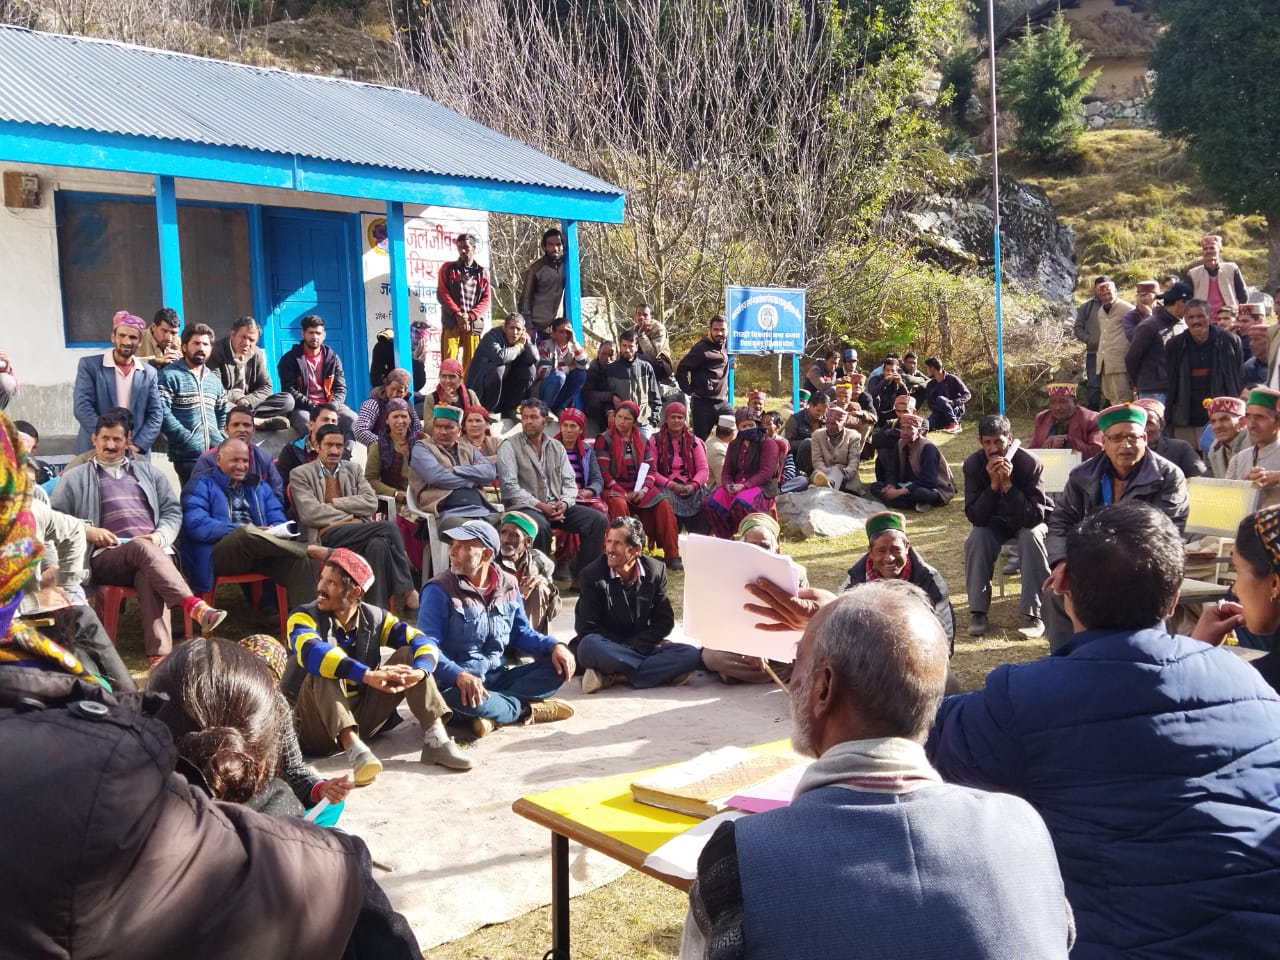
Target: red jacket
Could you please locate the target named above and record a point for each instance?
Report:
(1083, 434)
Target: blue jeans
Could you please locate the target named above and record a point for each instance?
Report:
(560, 389)
(944, 412)
(510, 689)
(664, 664)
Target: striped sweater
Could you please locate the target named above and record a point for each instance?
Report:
(321, 646)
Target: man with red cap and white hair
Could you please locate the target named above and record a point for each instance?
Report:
(339, 686)
(1215, 280)
(1260, 462)
(1226, 420)
(1066, 425)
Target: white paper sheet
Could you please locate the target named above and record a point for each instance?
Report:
(678, 857)
(288, 530)
(641, 475)
(715, 578)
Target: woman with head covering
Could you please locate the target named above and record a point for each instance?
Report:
(748, 480)
(1255, 613)
(761, 530)
(890, 556)
(373, 412)
(450, 392)
(630, 481)
(387, 468)
(475, 430)
(680, 467)
(582, 459)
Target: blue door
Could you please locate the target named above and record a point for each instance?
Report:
(312, 258)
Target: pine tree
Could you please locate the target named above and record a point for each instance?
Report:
(1042, 81)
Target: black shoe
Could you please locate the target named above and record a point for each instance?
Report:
(675, 563)
(977, 624)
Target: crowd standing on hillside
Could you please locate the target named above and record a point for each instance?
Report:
(542, 472)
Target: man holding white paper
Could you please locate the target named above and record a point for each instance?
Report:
(233, 524)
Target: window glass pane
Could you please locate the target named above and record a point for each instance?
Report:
(215, 265)
(109, 260)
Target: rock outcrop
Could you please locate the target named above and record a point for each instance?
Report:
(823, 512)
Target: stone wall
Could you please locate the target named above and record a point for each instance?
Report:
(1101, 114)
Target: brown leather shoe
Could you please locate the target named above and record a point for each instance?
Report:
(549, 711)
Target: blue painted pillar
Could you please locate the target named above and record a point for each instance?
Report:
(572, 277)
(399, 285)
(170, 252)
(795, 381)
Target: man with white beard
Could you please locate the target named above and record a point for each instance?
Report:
(531, 567)
(875, 849)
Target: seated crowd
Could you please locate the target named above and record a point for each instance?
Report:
(1127, 758)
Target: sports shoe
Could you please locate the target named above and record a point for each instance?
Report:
(675, 563)
(482, 726)
(446, 754)
(549, 711)
(1010, 567)
(364, 765)
(275, 423)
(952, 427)
(923, 507)
(819, 479)
(977, 624)
(593, 681)
(1032, 628)
(206, 616)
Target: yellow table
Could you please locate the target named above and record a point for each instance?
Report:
(600, 814)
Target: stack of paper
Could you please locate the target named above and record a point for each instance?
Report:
(701, 787)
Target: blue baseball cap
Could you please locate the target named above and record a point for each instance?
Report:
(475, 530)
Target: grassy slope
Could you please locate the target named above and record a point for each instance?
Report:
(1139, 211)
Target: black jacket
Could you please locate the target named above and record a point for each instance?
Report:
(925, 577)
(1026, 505)
(1224, 374)
(703, 372)
(293, 379)
(110, 853)
(603, 607)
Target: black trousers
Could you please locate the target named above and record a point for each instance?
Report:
(704, 414)
(587, 522)
(79, 630)
(502, 395)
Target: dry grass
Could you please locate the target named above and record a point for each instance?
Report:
(1139, 211)
(640, 917)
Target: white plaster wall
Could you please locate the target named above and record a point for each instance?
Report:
(31, 322)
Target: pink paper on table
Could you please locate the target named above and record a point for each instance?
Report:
(769, 794)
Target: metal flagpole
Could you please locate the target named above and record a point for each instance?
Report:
(995, 197)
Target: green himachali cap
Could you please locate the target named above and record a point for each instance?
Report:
(521, 520)
(1122, 413)
(878, 523)
(1262, 397)
(448, 413)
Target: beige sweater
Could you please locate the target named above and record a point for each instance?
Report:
(842, 452)
(356, 500)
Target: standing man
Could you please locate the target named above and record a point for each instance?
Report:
(1004, 499)
(116, 378)
(624, 618)
(341, 689)
(1260, 462)
(1226, 419)
(946, 396)
(1113, 344)
(1144, 302)
(654, 344)
(195, 403)
(159, 345)
(1125, 471)
(535, 478)
(503, 368)
(311, 374)
(1214, 280)
(226, 519)
(542, 289)
(533, 569)
(473, 613)
(463, 294)
(1066, 425)
(1203, 362)
(703, 374)
(632, 379)
(133, 518)
(335, 506)
(1088, 330)
(242, 367)
(1145, 361)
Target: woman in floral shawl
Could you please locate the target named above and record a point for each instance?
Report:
(748, 481)
(680, 467)
(622, 451)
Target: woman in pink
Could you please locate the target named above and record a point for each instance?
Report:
(680, 467)
(621, 451)
(748, 481)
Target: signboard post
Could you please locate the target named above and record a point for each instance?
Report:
(766, 320)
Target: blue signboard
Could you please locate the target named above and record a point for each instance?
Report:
(765, 319)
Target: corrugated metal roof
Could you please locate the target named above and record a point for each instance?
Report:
(100, 85)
